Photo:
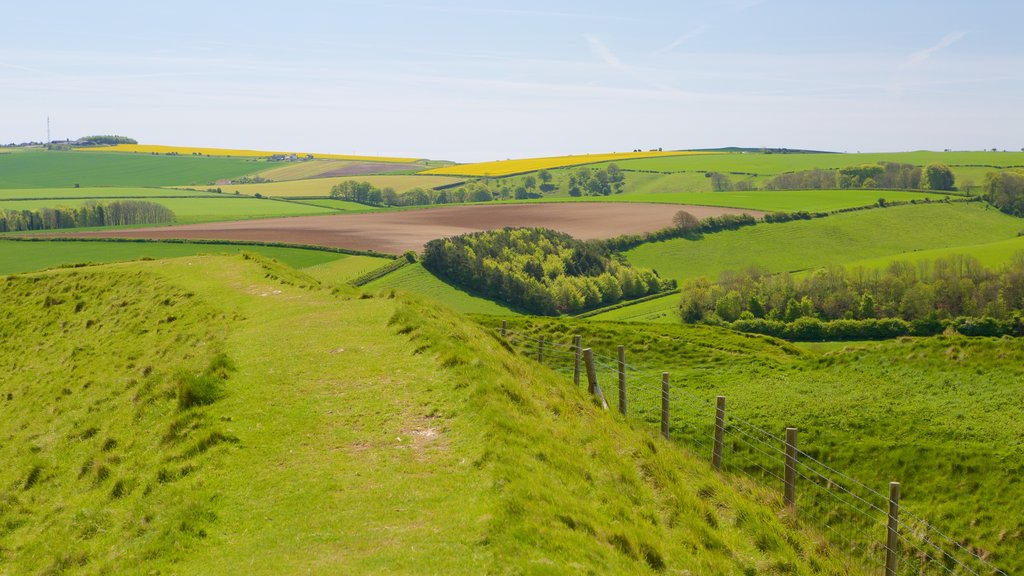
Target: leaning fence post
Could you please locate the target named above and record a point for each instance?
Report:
(592, 386)
(622, 380)
(576, 348)
(664, 404)
(504, 327)
(540, 351)
(892, 537)
(716, 457)
(790, 493)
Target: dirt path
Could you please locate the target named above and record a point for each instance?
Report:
(396, 232)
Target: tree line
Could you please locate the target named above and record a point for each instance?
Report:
(841, 303)
(104, 140)
(116, 213)
(885, 175)
(1005, 191)
(539, 270)
(366, 193)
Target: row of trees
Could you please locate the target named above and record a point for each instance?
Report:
(599, 182)
(886, 175)
(927, 291)
(539, 270)
(104, 140)
(1005, 190)
(116, 213)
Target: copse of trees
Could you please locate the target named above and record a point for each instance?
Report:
(539, 270)
(1005, 191)
(117, 213)
(366, 193)
(887, 175)
(904, 298)
(600, 182)
(104, 140)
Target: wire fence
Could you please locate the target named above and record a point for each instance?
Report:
(862, 526)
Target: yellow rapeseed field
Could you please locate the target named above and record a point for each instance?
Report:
(188, 150)
(509, 167)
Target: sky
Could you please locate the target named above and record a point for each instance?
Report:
(474, 81)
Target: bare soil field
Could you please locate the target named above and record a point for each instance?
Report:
(396, 232)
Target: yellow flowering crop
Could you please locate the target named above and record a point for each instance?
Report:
(509, 167)
(189, 150)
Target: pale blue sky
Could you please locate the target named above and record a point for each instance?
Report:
(472, 81)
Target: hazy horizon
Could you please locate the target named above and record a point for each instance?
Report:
(471, 81)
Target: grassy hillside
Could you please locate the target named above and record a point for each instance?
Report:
(97, 192)
(23, 256)
(43, 169)
(793, 246)
(347, 435)
(417, 280)
(210, 208)
(942, 415)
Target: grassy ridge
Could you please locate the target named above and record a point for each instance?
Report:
(352, 436)
(43, 169)
(211, 208)
(20, 256)
(798, 245)
(418, 280)
(942, 415)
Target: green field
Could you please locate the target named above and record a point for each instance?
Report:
(418, 280)
(211, 208)
(941, 415)
(659, 310)
(322, 186)
(209, 413)
(764, 200)
(43, 169)
(18, 256)
(101, 193)
(991, 254)
(799, 245)
(770, 164)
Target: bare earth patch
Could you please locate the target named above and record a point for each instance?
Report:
(396, 232)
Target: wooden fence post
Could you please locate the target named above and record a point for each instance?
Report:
(504, 328)
(664, 404)
(790, 493)
(892, 536)
(622, 380)
(716, 457)
(592, 386)
(540, 351)
(576, 348)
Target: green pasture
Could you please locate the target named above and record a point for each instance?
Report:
(340, 205)
(763, 200)
(942, 415)
(100, 193)
(841, 238)
(662, 310)
(210, 208)
(18, 256)
(770, 164)
(216, 414)
(64, 169)
(417, 280)
(991, 254)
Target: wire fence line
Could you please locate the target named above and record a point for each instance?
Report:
(860, 522)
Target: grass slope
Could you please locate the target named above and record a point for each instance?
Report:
(94, 192)
(942, 415)
(417, 280)
(352, 435)
(32, 256)
(43, 169)
(322, 186)
(210, 208)
(836, 239)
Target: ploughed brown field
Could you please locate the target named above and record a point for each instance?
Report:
(396, 232)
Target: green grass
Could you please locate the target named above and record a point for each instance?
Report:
(778, 163)
(342, 270)
(794, 246)
(942, 415)
(22, 256)
(764, 200)
(211, 208)
(417, 280)
(341, 205)
(659, 310)
(991, 254)
(347, 435)
(99, 193)
(43, 169)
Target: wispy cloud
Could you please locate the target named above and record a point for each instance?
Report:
(921, 56)
(601, 50)
(690, 35)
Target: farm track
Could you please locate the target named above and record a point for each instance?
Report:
(396, 232)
